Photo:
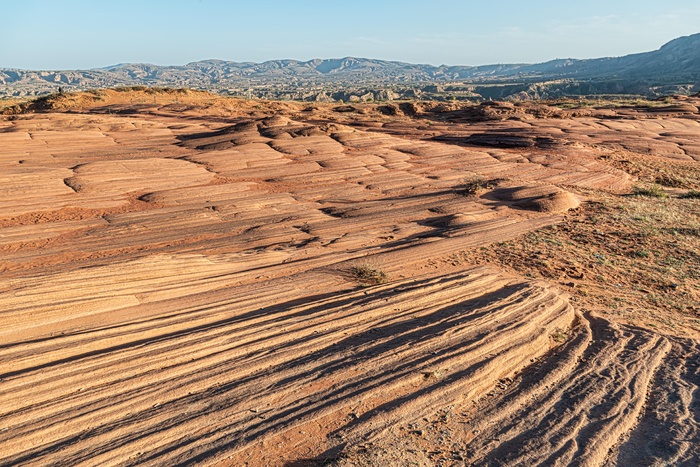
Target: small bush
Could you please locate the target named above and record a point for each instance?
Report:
(369, 273)
(559, 336)
(641, 254)
(473, 185)
(652, 191)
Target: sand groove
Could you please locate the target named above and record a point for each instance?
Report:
(577, 413)
(667, 434)
(263, 373)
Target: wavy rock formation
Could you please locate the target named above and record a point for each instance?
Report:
(180, 287)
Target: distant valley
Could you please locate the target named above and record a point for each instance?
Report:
(674, 68)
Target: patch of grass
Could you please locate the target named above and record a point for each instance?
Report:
(651, 191)
(369, 273)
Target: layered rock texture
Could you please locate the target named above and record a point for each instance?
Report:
(182, 285)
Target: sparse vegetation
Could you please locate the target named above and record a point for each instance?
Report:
(369, 273)
(652, 191)
(609, 102)
(653, 170)
(559, 336)
(474, 184)
(635, 257)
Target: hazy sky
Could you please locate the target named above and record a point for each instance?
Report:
(63, 34)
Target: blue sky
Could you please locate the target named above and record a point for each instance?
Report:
(64, 34)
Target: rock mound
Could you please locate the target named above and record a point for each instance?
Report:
(546, 198)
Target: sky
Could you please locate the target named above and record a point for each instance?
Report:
(82, 34)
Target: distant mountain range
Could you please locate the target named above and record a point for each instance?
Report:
(675, 67)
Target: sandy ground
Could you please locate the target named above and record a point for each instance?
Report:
(181, 286)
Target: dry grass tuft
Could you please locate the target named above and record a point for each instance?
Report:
(652, 191)
(474, 184)
(369, 273)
